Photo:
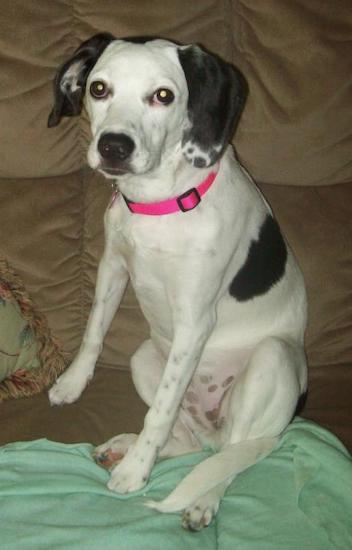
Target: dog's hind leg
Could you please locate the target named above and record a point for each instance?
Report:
(258, 408)
(264, 399)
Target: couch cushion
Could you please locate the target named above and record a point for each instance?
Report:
(317, 222)
(28, 51)
(44, 245)
(329, 400)
(57, 240)
(37, 37)
(296, 128)
(107, 407)
(110, 405)
(55, 243)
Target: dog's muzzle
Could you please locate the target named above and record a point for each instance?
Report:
(115, 151)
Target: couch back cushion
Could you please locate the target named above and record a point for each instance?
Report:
(37, 36)
(295, 131)
(296, 56)
(296, 128)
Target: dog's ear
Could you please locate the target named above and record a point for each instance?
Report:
(217, 94)
(71, 77)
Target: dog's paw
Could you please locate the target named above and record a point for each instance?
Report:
(68, 387)
(200, 514)
(128, 476)
(112, 452)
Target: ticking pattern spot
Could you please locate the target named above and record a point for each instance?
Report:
(192, 397)
(212, 415)
(192, 410)
(212, 388)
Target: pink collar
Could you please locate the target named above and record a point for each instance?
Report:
(185, 202)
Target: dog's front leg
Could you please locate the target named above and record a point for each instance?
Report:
(112, 279)
(133, 471)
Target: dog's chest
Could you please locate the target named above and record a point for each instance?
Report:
(151, 242)
(149, 247)
(138, 235)
(158, 252)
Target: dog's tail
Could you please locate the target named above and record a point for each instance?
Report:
(218, 468)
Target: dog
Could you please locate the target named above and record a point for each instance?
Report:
(224, 366)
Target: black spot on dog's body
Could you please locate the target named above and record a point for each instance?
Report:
(264, 266)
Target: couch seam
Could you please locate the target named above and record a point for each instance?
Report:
(229, 18)
(81, 255)
(82, 187)
(237, 31)
(75, 20)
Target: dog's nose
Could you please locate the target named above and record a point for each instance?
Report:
(115, 147)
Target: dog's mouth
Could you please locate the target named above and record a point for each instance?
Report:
(114, 171)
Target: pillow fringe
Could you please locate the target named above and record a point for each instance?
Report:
(53, 361)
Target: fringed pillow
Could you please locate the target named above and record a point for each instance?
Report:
(30, 359)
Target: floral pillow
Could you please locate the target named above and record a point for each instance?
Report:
(30, 359)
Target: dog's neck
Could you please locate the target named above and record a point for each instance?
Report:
(173, 178)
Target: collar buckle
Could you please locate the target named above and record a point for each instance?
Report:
(189, 200)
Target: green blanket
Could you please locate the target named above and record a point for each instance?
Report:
(300, 497)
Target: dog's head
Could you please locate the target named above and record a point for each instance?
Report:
(148, 99)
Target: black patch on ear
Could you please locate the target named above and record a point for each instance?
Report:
(265, 263)
(217, 94)
(68, 101)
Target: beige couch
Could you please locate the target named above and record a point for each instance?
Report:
(294, 138)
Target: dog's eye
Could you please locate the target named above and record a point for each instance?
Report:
(98, 89)
(163, 96)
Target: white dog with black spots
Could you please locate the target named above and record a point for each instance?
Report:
(224, 298)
